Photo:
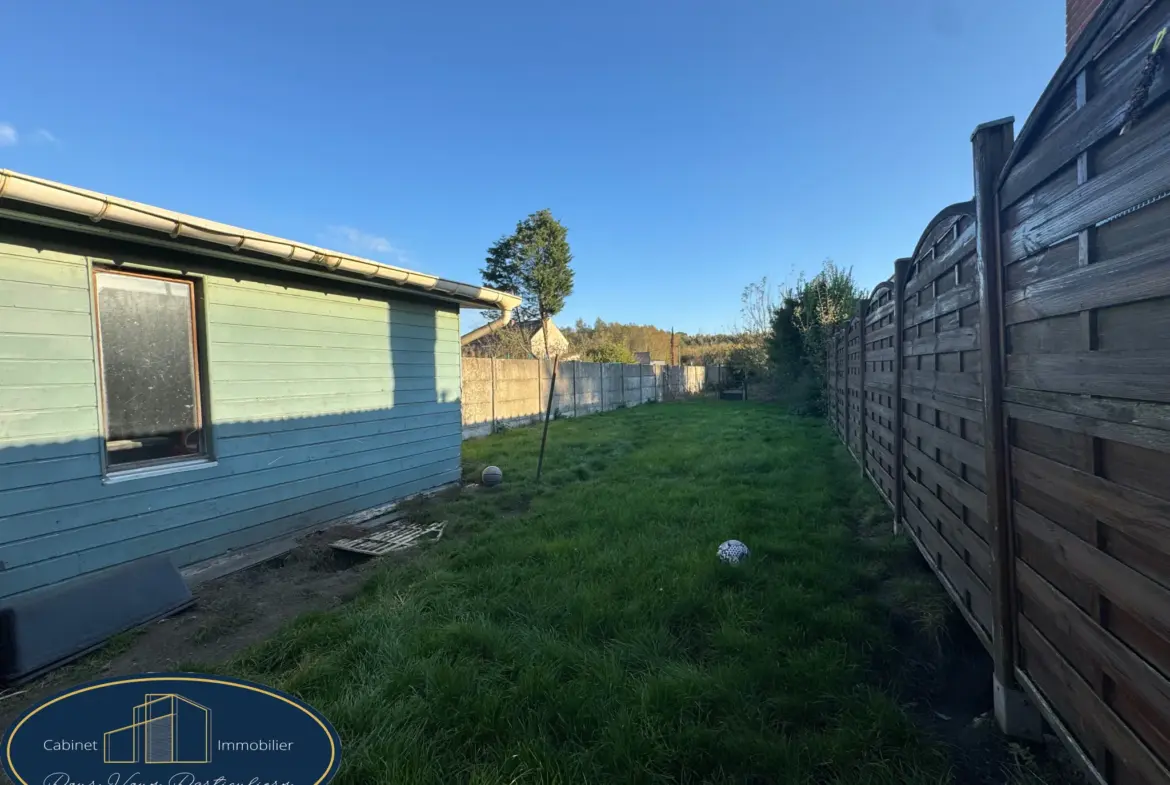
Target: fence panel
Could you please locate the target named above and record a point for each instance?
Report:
(837, 381)
(878, 394)
(853, 366)
(1031, 349)
(944, 505)
(1086, 312)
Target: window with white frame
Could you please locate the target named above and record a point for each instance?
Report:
(150, 369)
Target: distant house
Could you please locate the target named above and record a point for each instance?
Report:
(522, 340)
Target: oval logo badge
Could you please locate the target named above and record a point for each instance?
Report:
(171, 729)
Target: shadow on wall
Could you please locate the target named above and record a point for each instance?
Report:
(262, 477)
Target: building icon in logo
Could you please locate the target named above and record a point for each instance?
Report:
(166, 728)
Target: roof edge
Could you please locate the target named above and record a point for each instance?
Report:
(186, 230)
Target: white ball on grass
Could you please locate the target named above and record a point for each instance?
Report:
(492, 476)
(733, 552)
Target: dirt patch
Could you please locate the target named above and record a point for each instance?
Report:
(229, 615)
(945, 678)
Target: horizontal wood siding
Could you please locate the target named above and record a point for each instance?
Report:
(321, 402)
(879, 395)
(853, 366)
(942, 414)
(1087, 399)
(1035, 446)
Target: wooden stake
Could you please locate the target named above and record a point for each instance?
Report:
(547, 413)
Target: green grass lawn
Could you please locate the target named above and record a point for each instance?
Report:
(581, 630)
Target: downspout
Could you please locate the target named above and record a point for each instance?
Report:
(487, 329)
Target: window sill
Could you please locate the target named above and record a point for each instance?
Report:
(157, 471)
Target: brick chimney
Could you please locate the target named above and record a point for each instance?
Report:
(1077, 14)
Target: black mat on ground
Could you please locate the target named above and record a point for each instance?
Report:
(43, 630)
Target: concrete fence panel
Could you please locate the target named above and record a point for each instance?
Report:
(613, 385)
(632, 384)
(587, 383)
(516, 392)
(478, 391)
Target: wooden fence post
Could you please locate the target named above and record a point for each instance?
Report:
(991, 143)
(901, 269)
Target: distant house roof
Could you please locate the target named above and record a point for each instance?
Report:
(34, 200)
(531, 336)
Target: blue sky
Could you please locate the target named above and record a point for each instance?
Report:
(690, 146)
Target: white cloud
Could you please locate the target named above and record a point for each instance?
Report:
(359, 242)
(8, 135)
(42, 135)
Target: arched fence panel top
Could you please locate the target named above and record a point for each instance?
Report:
(942, 223)
(879, 307)
(941, 413)
(949, 234)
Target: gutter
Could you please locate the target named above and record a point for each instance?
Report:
(486, 329)
(101, 208)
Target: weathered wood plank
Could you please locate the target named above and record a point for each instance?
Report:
(881, 381)
(880, 409)
(961, 339)
(952, 300)
(973, 595)
(930, 270)
(1139, 275)
(968, 495)
(956, 446)
(1102, 646)
(875, 428)
(1142, 375)
(959, 534)
(1145, 599)
(877, 313)
(1091, 710)
(1137, 435)
(1138, 515)
(1101, 116)
(966, 384)
(1150, 415)
(960, 406)
(1141, 177)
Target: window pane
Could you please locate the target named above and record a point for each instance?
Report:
(148, 362)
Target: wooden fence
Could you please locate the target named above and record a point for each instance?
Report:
(1008, 392)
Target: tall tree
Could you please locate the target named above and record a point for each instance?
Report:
(501, 271)
(544, 257)
(534, 263)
